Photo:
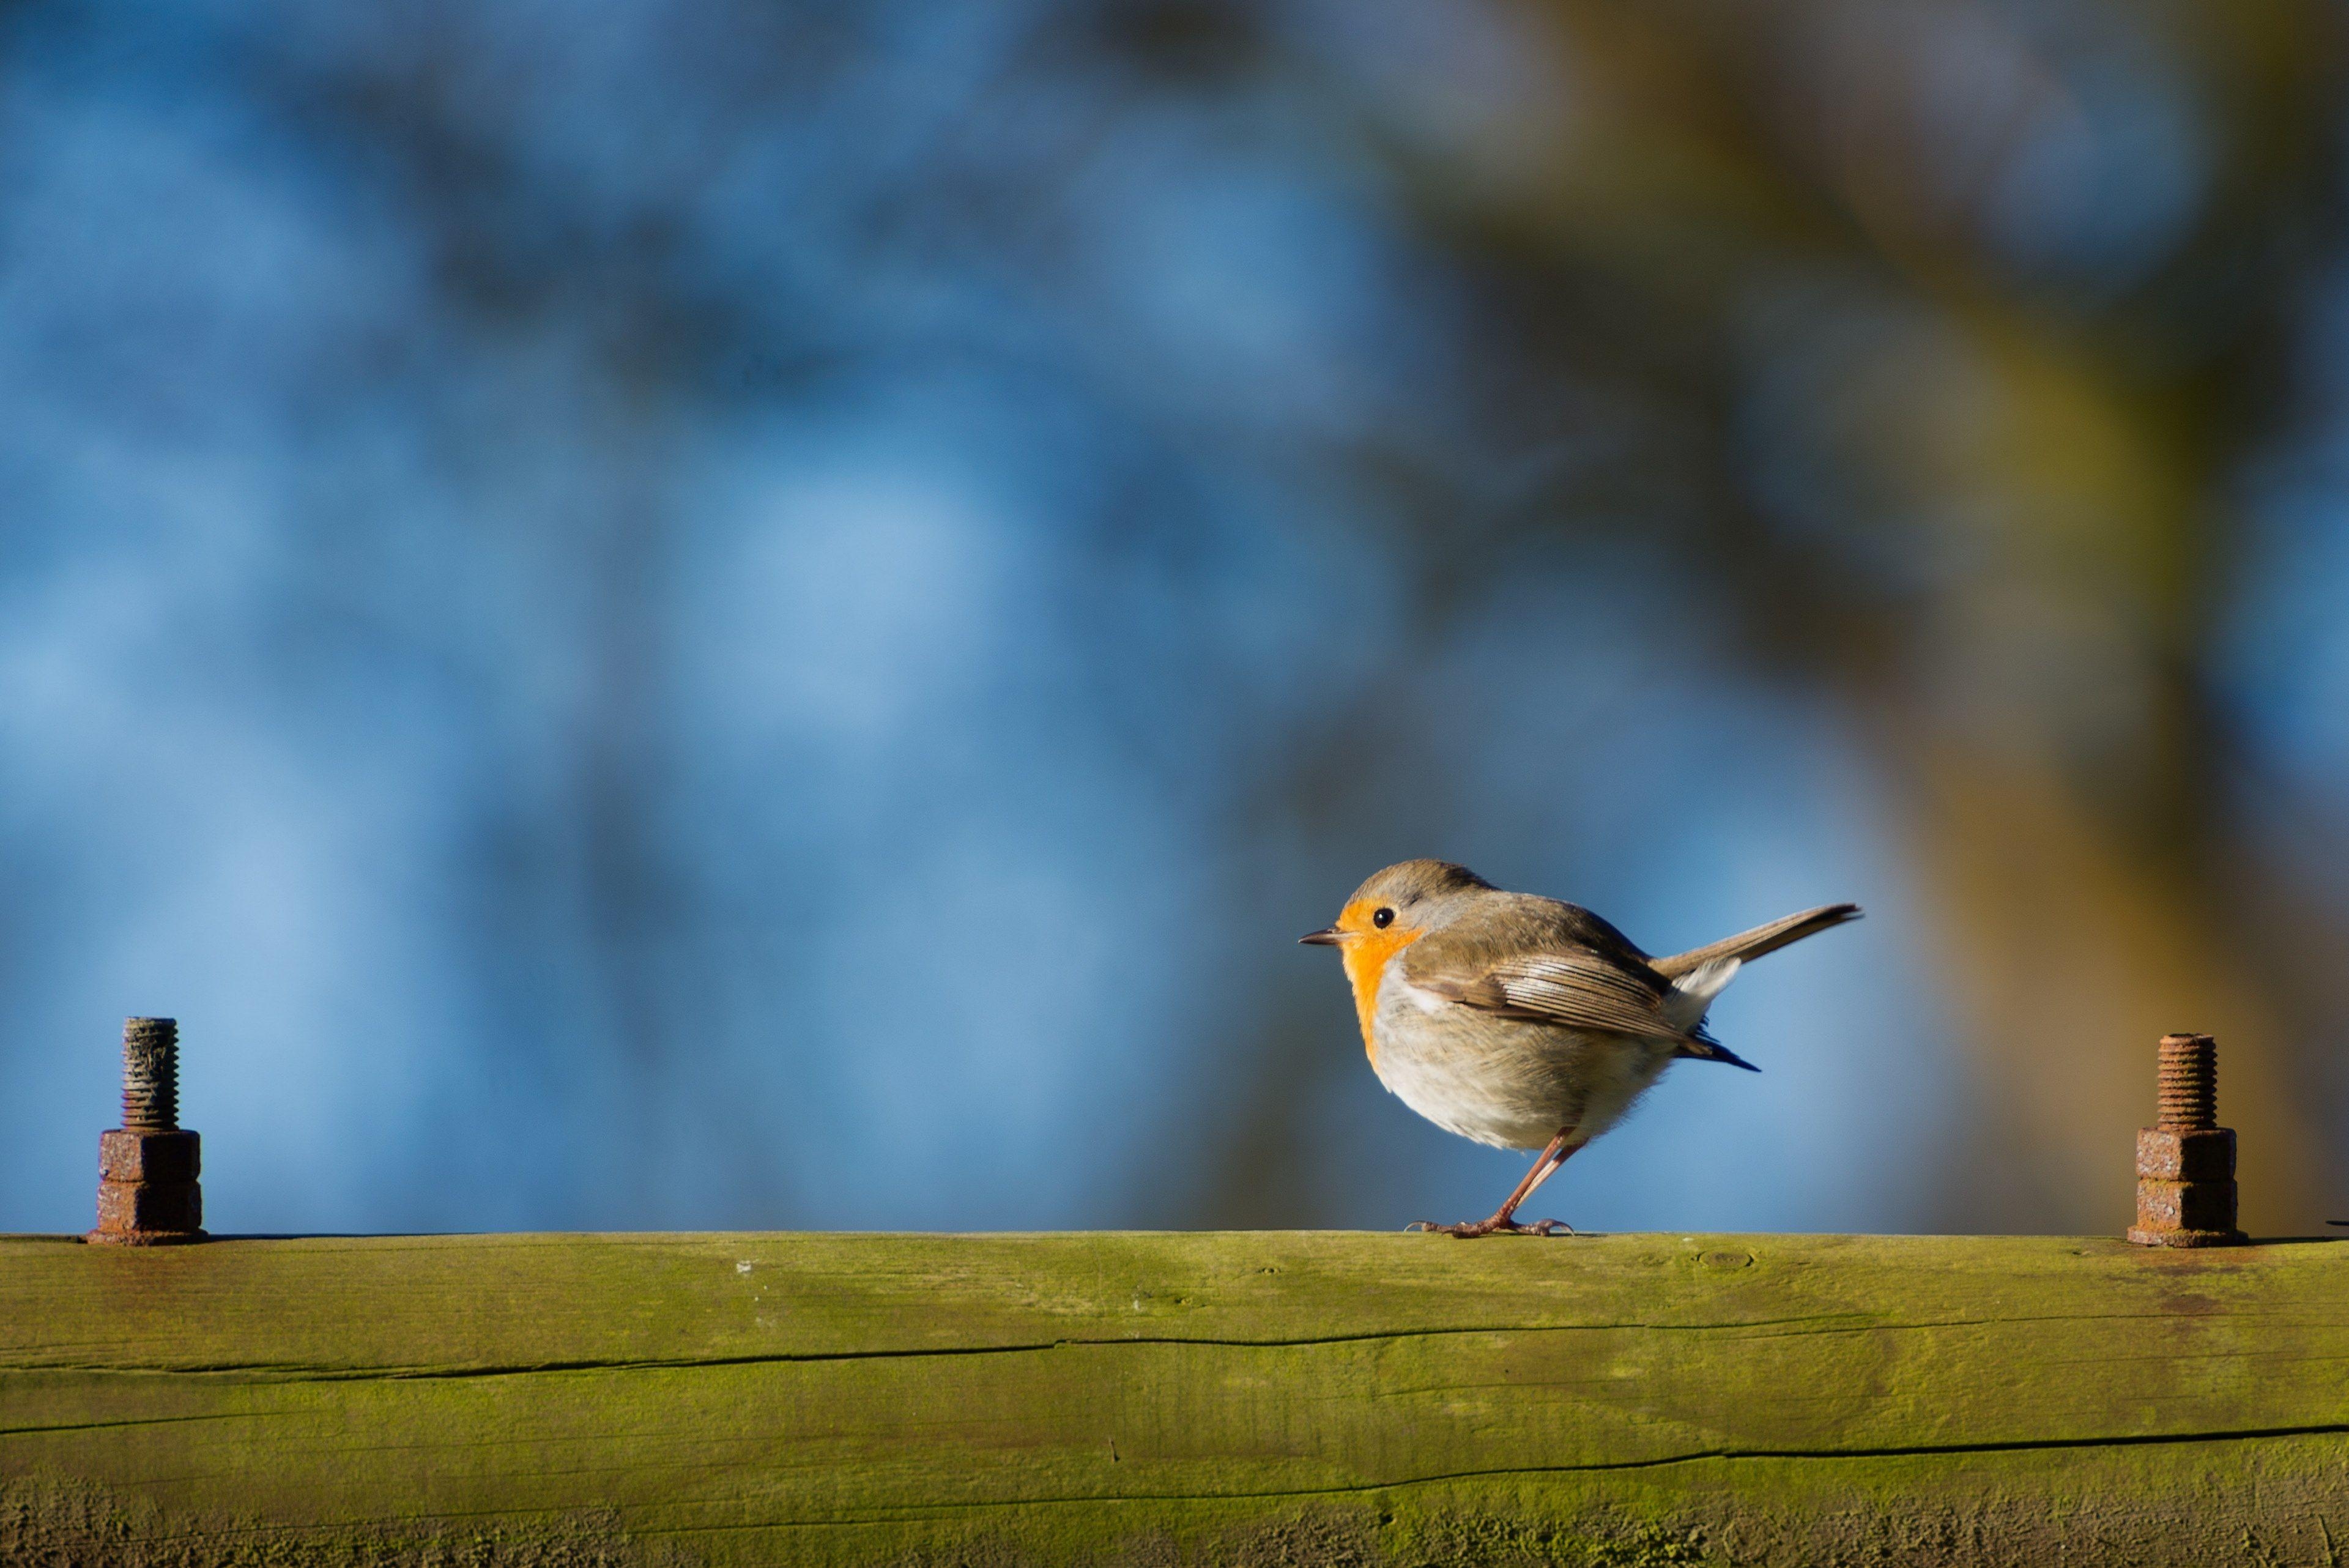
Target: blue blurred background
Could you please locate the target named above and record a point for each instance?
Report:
(712, 613)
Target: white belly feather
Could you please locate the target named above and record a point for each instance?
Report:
(1502, 1080)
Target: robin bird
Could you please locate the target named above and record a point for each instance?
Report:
(1521, 1022)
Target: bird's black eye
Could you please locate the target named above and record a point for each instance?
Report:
(1383, 918)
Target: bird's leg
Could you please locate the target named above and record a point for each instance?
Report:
(1505, 1218)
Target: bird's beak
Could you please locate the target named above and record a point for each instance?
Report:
(1327, 937)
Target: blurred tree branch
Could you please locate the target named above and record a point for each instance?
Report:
(2074, 450)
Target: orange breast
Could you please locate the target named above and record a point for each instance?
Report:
(1366, 960)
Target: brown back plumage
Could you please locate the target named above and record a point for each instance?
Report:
(1546, 961)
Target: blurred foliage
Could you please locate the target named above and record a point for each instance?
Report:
(1935, 352)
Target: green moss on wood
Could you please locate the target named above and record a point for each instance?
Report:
(1242, 1399)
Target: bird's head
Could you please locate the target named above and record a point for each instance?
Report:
(1399, 904)
(1388, 913)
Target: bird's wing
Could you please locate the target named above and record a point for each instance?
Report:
(1574, 990)
(1555, 963)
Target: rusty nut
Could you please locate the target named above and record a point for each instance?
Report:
(2186, 1206)
(128, 1210)
(129, 1154)
(2165, 1155)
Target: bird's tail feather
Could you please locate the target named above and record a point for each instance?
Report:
(1761, 939)
(1706, 1048)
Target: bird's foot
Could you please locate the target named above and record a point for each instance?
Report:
(1498, 1225)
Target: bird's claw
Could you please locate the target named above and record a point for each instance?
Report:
(1468, 1229)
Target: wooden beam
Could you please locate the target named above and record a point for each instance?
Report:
(1243, 1398)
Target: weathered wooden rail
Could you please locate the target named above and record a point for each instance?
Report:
(1273, 1397)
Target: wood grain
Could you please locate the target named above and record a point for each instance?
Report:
(1250, 1398)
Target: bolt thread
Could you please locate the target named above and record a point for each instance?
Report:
(2189, 1083)
(151, 1074)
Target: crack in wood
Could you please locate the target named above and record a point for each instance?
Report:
(298, 1372)
(1505, 1473)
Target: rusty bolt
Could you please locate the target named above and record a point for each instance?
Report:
(2186, 1160)
(147, 1168)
